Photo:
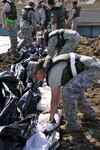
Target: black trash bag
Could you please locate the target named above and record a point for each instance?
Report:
(31, 121)
(11, 138)
(2, 98)
(42, 52)
(9, 113)
(10, 80)
(28, 103)
(14, 137)
(22, 57)
(32, 48)
(53, 139)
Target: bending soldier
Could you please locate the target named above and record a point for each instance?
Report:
(74, 73)
(61, 41)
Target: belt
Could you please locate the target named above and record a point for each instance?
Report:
(10, 20)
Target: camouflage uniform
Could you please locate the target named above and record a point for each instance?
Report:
(12, 35)
(58, 16)
(42, 12)
(9, 12)
(27, 25)
(73, 91)
(75, 15)
(68, 42)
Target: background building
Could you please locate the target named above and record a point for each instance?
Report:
(89, 24)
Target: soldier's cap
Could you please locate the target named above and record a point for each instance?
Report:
(51, 2)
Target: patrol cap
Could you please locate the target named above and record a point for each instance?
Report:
(51, 2)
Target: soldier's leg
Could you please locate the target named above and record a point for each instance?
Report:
(85, 107)
(13, 36)
(74, 24)
(28, 36)
(70, 107)
(71, 93)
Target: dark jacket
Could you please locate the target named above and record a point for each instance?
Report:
(12, 14)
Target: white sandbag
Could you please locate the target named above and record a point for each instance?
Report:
(43, 121)
(37, 141)
(44, 103)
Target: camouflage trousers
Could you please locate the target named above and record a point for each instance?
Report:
(71, 46)
(73, 94)
(75, 22)
(27, 40)
(12, 35)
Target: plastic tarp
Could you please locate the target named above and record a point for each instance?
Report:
(37, 141)
(22, 126)
(4, 44)
(44, 103)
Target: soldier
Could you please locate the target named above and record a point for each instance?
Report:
(75, 14)
(27, 24)
(43, 14)
(61, 41)
(74, 73)
(58, 15)
(9, 16)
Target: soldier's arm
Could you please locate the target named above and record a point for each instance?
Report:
(42, 16)
(33, 21)
(72, 15)
(3, 13)
(66, 13)
(53, 20)
(51, 46)
(54, 102)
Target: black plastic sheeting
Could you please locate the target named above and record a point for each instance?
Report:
(18, 105)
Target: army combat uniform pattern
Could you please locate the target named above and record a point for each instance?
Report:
(73, 90)
(11, 14)
(64, 40)
(58, 15)
(76, 14)
(27, 25)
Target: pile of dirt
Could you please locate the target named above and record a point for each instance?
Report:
(90, 138)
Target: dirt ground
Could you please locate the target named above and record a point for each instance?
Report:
(90, 138)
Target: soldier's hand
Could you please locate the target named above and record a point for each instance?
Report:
(52, 121)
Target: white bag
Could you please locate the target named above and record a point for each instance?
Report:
(43, 121)
(37, 141)
(44, 103)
